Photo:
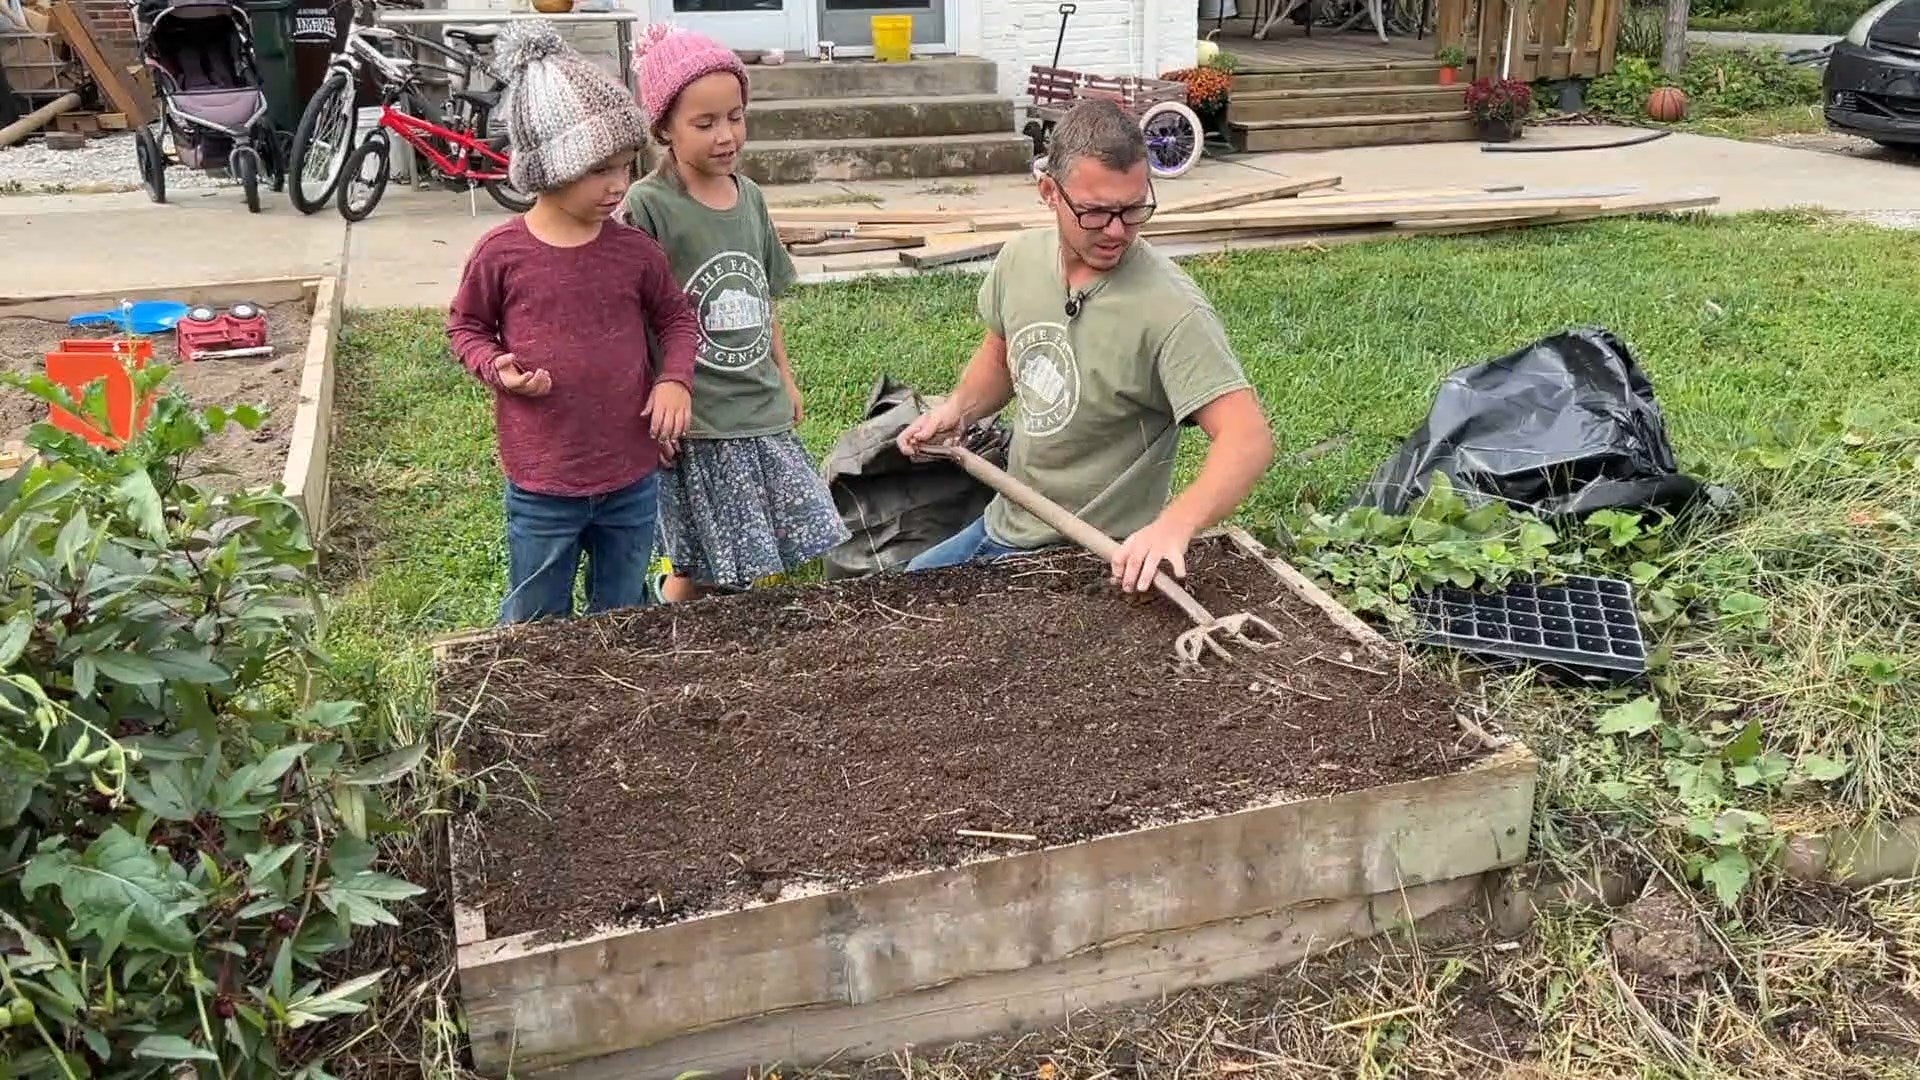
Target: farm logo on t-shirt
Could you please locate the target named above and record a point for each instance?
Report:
(1046, 377)
(729, 293)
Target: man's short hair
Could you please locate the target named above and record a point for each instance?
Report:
(1099, 129)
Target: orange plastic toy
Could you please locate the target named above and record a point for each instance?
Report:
(78, 364)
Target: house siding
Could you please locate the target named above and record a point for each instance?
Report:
(1106, 37)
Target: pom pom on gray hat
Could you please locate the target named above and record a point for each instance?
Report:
(564, 114)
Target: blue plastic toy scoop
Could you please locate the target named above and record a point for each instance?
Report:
(139, 317)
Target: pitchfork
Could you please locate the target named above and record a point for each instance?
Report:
(1189, 646)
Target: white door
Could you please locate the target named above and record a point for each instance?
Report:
(740, 24)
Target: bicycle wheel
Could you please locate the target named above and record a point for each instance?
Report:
(321, 144)
(1174, 139)
(364, 179)
(503, 191)
(243, 164)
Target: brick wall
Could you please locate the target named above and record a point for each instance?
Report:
(1103, 36)
(113, 22)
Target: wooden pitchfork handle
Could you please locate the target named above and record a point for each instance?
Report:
(1061, 520)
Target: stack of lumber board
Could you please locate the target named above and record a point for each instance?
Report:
(1285, 212)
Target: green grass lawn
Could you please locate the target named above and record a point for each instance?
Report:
(1739, 323)
(1805, 605)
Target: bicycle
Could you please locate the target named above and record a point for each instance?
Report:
(461, 150)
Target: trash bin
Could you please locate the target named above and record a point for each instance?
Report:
(273, 52)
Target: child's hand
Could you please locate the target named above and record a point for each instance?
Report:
(670, 408)
(515, 381)
(799, 407)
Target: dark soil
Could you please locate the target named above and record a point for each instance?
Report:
(235, 459)
(690, 758)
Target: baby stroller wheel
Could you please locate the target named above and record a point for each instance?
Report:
(1174, 139)
(244, 165)
(364, 178)
(153, 166)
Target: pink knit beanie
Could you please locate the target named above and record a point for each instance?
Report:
(666, 59)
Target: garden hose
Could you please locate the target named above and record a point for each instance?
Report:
(1512, 148)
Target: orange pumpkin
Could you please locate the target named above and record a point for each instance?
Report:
(1668, 104)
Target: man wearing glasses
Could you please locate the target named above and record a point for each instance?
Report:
(1109, 349)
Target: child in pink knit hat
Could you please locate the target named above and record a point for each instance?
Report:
(743, 500)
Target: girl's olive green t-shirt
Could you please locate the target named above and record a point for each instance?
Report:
(733, 267)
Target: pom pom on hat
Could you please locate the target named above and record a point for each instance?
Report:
(523, 43)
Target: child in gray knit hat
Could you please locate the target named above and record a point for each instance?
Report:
(553, 314)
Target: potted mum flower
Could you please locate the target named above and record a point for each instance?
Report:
(1499, 108)
(1207, 89)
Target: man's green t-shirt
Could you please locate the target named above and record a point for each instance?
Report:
(733, 266)
(1099, 396)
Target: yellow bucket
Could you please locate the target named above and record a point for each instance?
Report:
(893, 37)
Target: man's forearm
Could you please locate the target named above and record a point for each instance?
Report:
(985, 386)
(1234, 464)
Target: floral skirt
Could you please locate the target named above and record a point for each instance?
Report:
(733, 511)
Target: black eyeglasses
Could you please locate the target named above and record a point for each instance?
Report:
(1095, 220)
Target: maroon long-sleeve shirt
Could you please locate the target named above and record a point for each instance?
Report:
(583, 314)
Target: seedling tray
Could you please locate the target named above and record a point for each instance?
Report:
(1583, 624)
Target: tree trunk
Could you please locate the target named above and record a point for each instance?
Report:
(1673, 38)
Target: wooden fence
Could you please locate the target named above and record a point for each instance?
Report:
(1547, 39)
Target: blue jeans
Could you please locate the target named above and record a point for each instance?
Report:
(969, 545)
(547, 535)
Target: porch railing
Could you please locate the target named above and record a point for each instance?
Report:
(1538, 39)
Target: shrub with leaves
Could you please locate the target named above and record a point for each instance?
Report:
(182, 840)
(1718, 82)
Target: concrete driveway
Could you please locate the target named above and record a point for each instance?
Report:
(409, 253)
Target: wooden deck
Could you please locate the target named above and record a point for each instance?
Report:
(1288, 48)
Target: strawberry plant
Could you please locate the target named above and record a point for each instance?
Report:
(183, 840)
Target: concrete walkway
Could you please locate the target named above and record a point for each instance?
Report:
(409, 253)
(1741, 39)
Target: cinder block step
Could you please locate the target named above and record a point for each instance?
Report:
(1337, 132)
(802, 161)
(879, 118)
(1385, 73)
(1338, 101)
(804, 79)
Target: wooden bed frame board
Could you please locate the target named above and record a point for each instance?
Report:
(305, 476)
(1022, 939)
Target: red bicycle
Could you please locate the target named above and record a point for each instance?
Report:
(460, 154)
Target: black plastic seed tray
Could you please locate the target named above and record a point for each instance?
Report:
(1582, 623)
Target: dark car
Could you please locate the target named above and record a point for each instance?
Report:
(1873, 76)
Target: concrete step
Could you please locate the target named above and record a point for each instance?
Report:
(1384, 73)
(802, 161)
(1336, 132)
(806, 79)
(1344, 101)
(879, 118)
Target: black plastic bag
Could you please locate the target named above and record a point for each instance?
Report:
(895, 507)
(1566, 426)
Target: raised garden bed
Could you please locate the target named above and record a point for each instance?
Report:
(832, 819)
(294, 385)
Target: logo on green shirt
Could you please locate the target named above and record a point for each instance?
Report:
(729, 292)
(1046, 377)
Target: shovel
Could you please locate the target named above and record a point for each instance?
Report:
(1189, 646)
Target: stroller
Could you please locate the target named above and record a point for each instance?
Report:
(212, 105)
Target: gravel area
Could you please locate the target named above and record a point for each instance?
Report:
(104, 164)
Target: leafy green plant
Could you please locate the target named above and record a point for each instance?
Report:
(1453, 56)
(1718, 82)
(1703, 775)
(182, 841)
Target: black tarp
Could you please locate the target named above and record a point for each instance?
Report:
(895, 507)
(1566, 426)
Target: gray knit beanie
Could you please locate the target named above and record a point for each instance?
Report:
(564, 115)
